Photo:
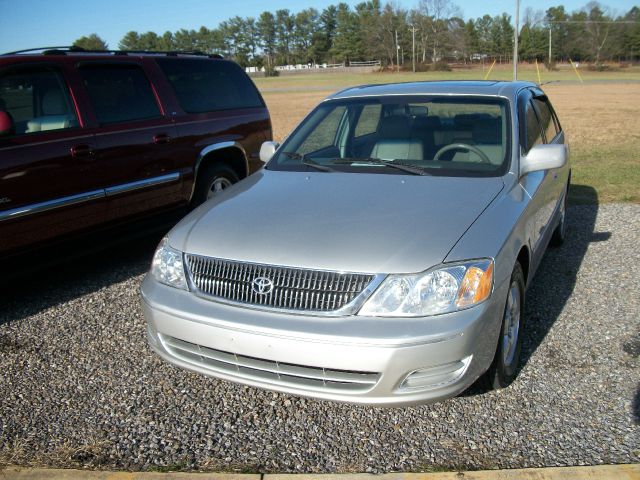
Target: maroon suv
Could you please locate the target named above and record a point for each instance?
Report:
(90, 139)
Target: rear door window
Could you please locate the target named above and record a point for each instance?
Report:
(119, 93)
(37, 99)
(206, 85)
(532, 125)
(546, 118)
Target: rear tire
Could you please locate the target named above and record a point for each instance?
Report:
(560, 233)
(504, 368)
(212, 180)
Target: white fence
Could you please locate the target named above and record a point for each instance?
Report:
(368, 66)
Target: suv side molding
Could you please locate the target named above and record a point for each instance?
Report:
(87, 196)
(147, 182)
(51, 204)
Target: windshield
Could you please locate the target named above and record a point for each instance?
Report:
(458, 136)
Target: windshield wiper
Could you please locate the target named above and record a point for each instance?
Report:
(308, 162)
(405, 167)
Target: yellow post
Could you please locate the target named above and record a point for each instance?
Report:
(538, 69)
(491, 68)
(576, 70)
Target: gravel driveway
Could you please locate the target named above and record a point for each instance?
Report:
(80, 387)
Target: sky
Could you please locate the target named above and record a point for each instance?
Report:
(43, 23)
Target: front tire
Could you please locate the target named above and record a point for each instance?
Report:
(212, 180)
(504, 368)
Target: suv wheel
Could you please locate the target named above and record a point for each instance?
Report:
(504, 367)
(212, 180)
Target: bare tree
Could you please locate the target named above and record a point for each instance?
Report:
(597, 28)
(439, 12)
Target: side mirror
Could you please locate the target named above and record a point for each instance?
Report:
(544, 157)
(267, 150)
(6, 124)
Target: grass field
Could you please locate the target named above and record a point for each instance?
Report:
(601, 118)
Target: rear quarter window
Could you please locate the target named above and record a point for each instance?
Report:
(205, 85)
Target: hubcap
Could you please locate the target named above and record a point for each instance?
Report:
(511, 325)
(217, 186)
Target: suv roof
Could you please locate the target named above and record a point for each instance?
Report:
(70, 50)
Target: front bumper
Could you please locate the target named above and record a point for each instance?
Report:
(371, 361)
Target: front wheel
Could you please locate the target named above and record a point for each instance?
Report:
(211, 181)
(505, 363)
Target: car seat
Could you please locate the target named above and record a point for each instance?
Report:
(55, 114)
(395, 141)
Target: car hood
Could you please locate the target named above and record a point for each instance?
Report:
(355, 222)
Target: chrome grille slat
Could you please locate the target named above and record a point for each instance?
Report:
(270, 370)
(293, 288)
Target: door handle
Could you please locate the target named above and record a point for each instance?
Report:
(161, 138)
(83, 151)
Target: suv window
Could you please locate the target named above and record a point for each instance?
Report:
(534, 133)
(546, 118)
(37, 99)
(119, 93)
(209, 85)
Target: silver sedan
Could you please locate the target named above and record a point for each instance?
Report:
(382, 254)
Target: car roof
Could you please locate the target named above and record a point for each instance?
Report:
(453, 87)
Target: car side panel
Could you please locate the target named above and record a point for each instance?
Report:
(48, 192)
(140, 174)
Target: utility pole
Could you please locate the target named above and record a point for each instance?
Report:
(515, 42)
(397, 53)
(549, 46)
(413, 46)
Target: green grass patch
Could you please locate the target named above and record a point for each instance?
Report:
(613, 171)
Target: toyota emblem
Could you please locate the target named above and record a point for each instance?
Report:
(262, 285)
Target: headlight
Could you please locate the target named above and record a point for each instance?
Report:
(442, 290)
(167, 266)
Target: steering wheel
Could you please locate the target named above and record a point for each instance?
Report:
(462, 146)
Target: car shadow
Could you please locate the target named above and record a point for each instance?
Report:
(555, 279)
(69, 270)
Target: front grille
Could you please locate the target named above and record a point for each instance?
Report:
(292, 288)
(287, 374)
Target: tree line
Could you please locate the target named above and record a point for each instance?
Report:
(432, 32)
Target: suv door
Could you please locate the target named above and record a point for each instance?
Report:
(134, 138)
(49, 184)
